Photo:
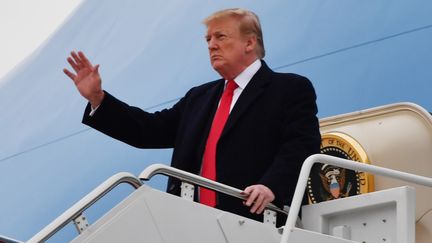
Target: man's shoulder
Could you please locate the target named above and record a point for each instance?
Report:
(293, 77)
(202, 88)
(208, 85)
(291, 80)
(282, 78)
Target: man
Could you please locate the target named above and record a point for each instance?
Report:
(252, 129)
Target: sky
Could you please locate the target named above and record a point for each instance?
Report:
(25, 25)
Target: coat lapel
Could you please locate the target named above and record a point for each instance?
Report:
(252, 91)
(208, 100)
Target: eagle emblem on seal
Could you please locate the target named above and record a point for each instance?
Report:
(333, 181)
(327, 182)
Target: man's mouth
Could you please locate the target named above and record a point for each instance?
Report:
(215, 57)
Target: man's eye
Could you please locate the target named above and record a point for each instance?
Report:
(221, 37)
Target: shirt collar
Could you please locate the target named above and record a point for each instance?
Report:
(244, 77)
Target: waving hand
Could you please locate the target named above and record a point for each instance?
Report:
(86, 78)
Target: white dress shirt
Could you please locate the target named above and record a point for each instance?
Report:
(243, 79)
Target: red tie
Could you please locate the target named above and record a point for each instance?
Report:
(208, 197)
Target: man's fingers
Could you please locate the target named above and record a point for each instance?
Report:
(247, 191)
(257, 203)
(77, 59)
(69, 74)
(252, 197)
(73, 64)
(262, 206)
(84, 60)
(259, 197)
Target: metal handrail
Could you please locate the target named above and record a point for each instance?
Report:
(344, 163)
(156, 169)
(78, 208)
(8, 240)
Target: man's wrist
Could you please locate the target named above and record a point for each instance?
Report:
(97, 100)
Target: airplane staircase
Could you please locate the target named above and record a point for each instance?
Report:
(149, 215)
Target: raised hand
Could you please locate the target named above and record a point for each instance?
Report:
(86, 78)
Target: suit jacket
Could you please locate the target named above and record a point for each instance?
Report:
(270, 131)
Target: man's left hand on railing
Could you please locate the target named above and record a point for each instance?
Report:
(258, 196)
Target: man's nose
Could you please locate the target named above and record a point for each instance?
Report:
(212, 44)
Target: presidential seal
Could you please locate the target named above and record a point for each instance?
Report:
(327, 182)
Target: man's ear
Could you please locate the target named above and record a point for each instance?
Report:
(251, 43)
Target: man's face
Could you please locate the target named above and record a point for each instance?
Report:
(227, 48)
